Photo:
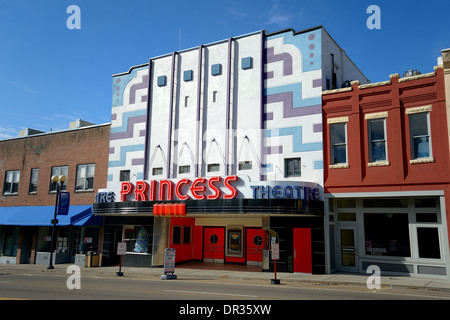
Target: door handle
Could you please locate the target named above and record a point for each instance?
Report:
(295, 253)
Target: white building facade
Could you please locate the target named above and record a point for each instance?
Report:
(212, 127)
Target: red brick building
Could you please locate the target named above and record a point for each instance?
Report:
(27, 198)
(386, 176)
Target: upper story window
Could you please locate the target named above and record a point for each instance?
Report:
(292, 167)
(420, 134)
(85, 177)
(59, 171)
(377, 140)
(33, 180)
(11, 185)
(338, 141)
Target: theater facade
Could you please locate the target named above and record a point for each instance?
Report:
(216, 151)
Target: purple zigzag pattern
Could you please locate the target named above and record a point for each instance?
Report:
(130, 126)
(137, 86)
(285, 57)
(288, 106)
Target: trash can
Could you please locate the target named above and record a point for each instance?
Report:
(94, 259)
(88, 259)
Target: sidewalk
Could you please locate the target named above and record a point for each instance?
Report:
(208, 274)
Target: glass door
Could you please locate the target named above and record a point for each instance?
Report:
(348, 254)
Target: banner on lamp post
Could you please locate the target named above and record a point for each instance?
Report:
(64, 203)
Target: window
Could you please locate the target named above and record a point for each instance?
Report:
(387, 234)
(419, 129)
(292, 167)
(11, 182)
(338, 135)
(186, 101)
(184, 169)
(234, 239)
(59, 171)
(428, 240)
(377, 140)
(85, 177)
(245, 165)
(213, 167)
(124, 175)
(214, 96)
(137, 239)
(33, 181)
(181, 235)
(157, 171)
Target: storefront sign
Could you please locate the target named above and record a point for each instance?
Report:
(121, 248)
(275, 251)
(210, 188)
(184, 189)
(169, 260)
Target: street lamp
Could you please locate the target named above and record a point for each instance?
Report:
(59, 181)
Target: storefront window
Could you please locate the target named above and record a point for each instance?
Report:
(385, 203)
(137, 239)
(428, 240)
(387, 234)
(9, 237)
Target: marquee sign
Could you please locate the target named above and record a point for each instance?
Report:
(210, 188)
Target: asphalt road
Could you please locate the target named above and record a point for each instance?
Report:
(47, 286)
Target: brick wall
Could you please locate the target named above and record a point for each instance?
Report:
(66, 148)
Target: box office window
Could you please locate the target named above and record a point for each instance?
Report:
(234, 239)
(387, 234)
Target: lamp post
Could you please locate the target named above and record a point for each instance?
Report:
(59, 181)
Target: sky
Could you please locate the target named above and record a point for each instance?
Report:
(51, 75)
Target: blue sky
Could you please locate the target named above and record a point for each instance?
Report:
(51, 75)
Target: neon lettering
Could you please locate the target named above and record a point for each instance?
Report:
(216, 191)
(229, 186)
(178, 189)
(195, 189)
(140, 194)
(126, 188)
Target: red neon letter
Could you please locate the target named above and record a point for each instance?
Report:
(169, 185)
(126, 188)
(178, 189)
(152, 190)
(229, 186)
(140, 194)
(195, 188)
(216, 191)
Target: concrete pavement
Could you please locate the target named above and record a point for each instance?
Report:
(223, 275)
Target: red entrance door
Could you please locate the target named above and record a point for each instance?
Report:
(255, 246)
(302, 250)
(213, 245)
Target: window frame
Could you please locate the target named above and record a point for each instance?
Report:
(287, 167)
(333, 144)
(52, 173)
(412, 136)
(33, 185)
(85, 178)
(372, 141)
(14, 174)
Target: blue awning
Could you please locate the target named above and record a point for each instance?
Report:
(43, 215)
